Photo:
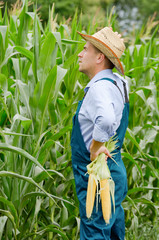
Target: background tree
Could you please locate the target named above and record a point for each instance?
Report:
(64, 9)
(129, 13)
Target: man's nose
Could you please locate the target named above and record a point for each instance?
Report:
(80, 54)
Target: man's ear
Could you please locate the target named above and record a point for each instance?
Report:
(100, 58)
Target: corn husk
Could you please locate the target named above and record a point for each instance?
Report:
(100, 170)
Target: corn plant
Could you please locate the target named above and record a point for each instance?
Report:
(35, 128)
(141, 143)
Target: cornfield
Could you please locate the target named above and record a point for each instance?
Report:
(40, 86)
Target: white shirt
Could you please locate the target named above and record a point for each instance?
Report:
(101, 110)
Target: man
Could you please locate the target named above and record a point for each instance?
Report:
(102, 113)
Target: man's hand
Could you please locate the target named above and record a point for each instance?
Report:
(96, 148)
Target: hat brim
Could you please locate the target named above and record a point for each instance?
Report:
(104, 48)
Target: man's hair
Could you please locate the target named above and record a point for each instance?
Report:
(96, 49)
(107, 61)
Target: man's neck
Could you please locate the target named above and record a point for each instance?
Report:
(95, 72)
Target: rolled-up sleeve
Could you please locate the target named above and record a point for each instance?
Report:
(104, 127)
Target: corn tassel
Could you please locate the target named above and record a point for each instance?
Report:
(91, 191)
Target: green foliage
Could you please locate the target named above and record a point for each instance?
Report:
(129, 12)
(150, 8)
(40, 86)
(141, 151)
(34, 145)
(62, 8)
(144, 7)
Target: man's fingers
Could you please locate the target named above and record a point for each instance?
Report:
(107, 153)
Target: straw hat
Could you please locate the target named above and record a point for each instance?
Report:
(108, 43)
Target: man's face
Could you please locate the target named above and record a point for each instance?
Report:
(87, 59)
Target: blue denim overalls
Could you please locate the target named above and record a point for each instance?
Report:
(95, 228)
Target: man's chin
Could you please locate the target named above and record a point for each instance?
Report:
(81, 70)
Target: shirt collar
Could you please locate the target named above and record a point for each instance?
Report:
(99, 75)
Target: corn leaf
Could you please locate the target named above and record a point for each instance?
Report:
(44, 60)
(27, 179)
(11, 218)
(22, 152)
(27, 53)
(12, 208)
(3, 221)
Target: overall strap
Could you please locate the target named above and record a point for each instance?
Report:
(115, 83)
(125, 92)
